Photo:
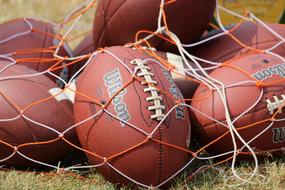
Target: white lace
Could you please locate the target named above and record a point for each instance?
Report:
(276, 104)
(158, 108)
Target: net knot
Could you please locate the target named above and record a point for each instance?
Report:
(259, 84)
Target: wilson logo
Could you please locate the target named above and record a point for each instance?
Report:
(113, 81)
(179, 110)
(269, 72)
(278, 135)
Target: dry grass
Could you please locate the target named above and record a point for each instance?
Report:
(271, 176)
(55, 10)
(20, 181)
(48, 9)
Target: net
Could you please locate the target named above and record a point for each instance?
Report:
(196, 70)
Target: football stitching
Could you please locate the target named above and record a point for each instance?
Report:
(160, 129)
(158, 108)
(144, 117)
(166, 101)
(277, 104)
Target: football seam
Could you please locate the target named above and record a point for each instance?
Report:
(161, 155)
(106, 23)
(213, 124)
(83, 131)
(166, 122)
(140, 102)
(256, 110)
(160, 148)
(33, 133)
(85, 72)
(259, 106)
(239, 49)
(43, 46)
(160, 130)
(40, 85)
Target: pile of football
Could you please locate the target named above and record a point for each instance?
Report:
(150, 77)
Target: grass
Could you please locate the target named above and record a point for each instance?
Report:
(15, 180)
(55, 10)
(271, 176)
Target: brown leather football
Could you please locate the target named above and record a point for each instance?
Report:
(251, 34)
(131, 117)
(253, 80)
(23, 94)
(27, 38)
(117, 21)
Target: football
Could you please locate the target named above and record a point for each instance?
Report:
(125, 124)
(251, 34)
(32, 111)
(31, 43)
(254, 88)
(116, 22)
